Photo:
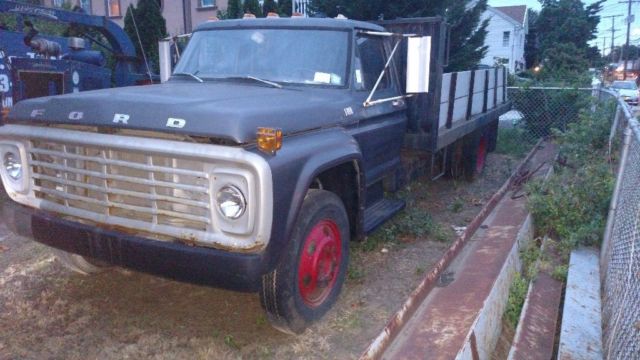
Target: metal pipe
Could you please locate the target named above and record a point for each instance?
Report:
(386, 66)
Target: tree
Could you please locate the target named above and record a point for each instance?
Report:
(285, 7)
(252, 7)
(270, 6)
(531, 54)
(146, 21)
(234, 9)
(467, 32)
(567, 21)
(563, 31)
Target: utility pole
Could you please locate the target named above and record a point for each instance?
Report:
(604, 44)
(630, 19)
(613, 30)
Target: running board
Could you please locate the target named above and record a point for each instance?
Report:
(376, 214)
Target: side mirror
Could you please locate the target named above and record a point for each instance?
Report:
(418, 64)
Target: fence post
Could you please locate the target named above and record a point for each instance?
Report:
(604, 250)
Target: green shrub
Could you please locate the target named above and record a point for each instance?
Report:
(515, 302)
(573, 205)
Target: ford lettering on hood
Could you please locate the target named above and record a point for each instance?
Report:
(215, 108)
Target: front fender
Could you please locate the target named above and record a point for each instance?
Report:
(301, 159)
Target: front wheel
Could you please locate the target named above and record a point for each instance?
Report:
(307, 281)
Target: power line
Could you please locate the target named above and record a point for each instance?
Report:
(629, 21)
(613, 29)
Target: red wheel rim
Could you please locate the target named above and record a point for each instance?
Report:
(320, 259)
(481, 155)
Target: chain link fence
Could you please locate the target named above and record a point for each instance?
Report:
(538, 110)
(620, 255)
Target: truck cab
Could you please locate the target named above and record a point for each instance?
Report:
(268, 150)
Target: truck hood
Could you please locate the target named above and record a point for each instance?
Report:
(219, 109)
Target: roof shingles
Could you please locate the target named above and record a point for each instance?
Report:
(517, 12)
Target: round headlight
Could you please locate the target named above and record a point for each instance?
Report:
(13, 165)
(231, 202)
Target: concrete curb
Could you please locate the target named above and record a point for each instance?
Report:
(581, 332)
(485, 332)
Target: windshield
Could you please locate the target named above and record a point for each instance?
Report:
(626, 85)
(318, 57)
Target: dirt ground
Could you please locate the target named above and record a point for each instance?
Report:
(47, 312)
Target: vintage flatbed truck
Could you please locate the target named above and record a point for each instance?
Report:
(269, 148)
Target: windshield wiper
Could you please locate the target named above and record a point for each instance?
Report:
(249, 77)
(194, 76)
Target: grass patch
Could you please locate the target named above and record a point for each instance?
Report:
(515, 302)
(412, 223)
(355, 273)
(515, 141)
(529, 256)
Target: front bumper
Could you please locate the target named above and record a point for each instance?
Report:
(199, 265)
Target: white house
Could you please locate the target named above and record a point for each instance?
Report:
(506, 34)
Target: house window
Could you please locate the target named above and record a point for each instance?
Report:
(114, 8)
(207, 3)
(505, 38)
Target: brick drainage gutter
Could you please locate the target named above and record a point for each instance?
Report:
(411, 344)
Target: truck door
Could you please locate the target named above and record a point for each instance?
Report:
(380, 133)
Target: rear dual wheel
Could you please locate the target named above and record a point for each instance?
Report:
(307, 281)
(466, 158)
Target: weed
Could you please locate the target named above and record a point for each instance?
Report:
(517, 295)
(560, 273)
(457, 206)
(420, 270)
(355, 273)
(529, 256)
(264, 352)
(231, 342)
(261, 320)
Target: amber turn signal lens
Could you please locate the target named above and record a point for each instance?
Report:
(269, 140)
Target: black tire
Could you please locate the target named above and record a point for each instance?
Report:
(466, 157)
(454, 168)
(286, 294)
(475, 154)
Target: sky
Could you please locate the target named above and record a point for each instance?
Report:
(609, 7)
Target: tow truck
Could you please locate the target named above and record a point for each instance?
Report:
(273, 144)
(34, 64)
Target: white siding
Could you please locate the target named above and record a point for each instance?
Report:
(514, 52)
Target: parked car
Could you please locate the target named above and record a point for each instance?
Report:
(628, 90)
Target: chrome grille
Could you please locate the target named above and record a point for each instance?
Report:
(170, 195)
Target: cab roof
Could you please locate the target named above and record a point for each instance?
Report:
(302, 22)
